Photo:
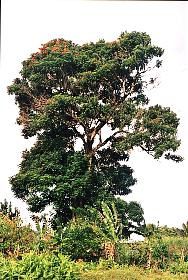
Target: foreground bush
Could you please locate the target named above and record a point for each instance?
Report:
(43, 266)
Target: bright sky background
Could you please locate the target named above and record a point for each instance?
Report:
(162, 187)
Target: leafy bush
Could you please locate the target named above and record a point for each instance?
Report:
(132, 254)
(154, 252)
(178, 248)
(159, 253)
(15, 238)
(82, 240)
(43, 266)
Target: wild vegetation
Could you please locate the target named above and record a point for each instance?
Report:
(88, 108)
(89, 249)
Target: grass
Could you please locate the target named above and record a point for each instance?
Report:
(130, 273)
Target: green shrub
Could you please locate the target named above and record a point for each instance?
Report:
(178, 248)
(154, 252)
(132, 254)
(15, 238)
(43, 266)
(82, 241)
(159, 254)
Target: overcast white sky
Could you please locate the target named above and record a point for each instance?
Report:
(162, 187)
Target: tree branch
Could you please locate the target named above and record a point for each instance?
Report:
(101, 144)
(146, 150)
(97, 129)
(74, 118)
(81, 136)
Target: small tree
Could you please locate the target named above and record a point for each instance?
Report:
(112, 223)
(131, 216)
(6, 209)
(185, 228)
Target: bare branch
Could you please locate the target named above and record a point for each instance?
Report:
(146, 150)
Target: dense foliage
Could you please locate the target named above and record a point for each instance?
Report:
(43, 266)
(87, 106)
(37, 254)
(14, 238)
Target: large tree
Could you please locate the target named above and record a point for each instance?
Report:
(87, 106)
